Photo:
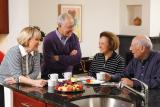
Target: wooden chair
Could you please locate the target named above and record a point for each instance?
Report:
(1, 56)
(1, 87)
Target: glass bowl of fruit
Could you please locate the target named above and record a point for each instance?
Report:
(68, 86)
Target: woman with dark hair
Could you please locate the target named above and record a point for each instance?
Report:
(107, 60)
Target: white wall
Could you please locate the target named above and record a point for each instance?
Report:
(97, 16)
(18, 18)
(126, 29)
(155, 18)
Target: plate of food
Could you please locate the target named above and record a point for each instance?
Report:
(69, 87)
(93, 82)
(72, 80)
(62, 80)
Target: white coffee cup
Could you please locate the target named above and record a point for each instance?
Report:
(101, 76)
(50, 89)
(67, 75)
(52, 82)
(53, 76)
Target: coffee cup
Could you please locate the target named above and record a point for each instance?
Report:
(53, 76)
(50, 89)
(67, 75)
(101, 76)
(52, 82)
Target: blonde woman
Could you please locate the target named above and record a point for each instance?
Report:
(21, 64)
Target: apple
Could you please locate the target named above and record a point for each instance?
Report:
(69, 88)
(74, 88)
(64, 88)
(80, 86)
(59, 88)
(77, 89)
(88, 80)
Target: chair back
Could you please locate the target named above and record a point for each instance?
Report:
(1, 56)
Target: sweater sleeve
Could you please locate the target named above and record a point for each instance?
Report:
(48, 51)
(121, 65)
(128, 72)
(12, 64)
(92, 70)
(72, 60)
(154, 80)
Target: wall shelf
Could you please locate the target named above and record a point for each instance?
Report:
(134, 14)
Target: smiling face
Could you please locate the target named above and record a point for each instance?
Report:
(66, 29)
(104, 45)
(137, 49)
(29, 38)
(33, 43)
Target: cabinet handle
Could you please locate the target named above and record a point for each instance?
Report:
(26, 105)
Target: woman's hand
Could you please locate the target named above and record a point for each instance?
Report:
(107, 77)
(10, 80)
(39, 83)
(55, 57)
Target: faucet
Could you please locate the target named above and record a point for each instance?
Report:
(143, 93)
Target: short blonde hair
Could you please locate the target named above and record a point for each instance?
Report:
(112, 39)
(26, 34)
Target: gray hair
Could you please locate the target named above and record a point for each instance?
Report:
(146, 41)
(62, 17)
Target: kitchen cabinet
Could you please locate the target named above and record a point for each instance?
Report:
(49, 105)
(20, 100)
(4, 23)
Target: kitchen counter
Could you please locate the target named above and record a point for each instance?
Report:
(48, 95)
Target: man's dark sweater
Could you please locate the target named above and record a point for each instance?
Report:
(147, 71)
(52, 45)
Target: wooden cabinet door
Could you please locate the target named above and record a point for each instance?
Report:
(4, 23)
(49, 105)
(20, 100)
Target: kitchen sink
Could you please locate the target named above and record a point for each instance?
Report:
(103, 102)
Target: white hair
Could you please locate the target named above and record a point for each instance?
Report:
(61, 18)
(146, 41)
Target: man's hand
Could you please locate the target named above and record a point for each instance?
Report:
(127, 82)
(55, 57)
(74, 52)
(107, 77)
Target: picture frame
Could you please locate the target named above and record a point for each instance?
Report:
(74, 10)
